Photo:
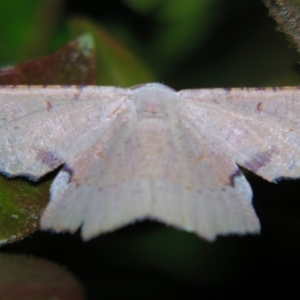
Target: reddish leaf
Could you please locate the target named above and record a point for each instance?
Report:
(72, 64)
(24, 277)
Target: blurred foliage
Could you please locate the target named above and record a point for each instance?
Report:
(75, 63)
(184, 44)
(26, 28)
(116, 65)
(30, 278)
(21, 205)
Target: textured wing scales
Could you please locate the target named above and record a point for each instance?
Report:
(154, 171)
(200, 189)
(43, 127)
(258, 128)
(103, 188)
(172, 161)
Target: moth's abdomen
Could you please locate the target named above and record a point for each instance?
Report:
(151, 136)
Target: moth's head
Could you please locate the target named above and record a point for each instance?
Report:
(154, 100)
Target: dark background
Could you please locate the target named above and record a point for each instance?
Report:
(239, 47)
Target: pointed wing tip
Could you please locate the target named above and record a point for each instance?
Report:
(252, 228)
(214, 237)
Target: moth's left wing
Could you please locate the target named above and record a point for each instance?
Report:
(258, 128)
(43, 127)
(105, 187)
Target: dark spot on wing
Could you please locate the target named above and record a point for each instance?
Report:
(79, 89)
(66, 168)
(200, 158)
(259, 160)
(227, 89)
(100, 155)
(259, 106)
(48, 105)
(48, 158)
(237, 173)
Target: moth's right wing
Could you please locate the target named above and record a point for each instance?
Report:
(258, 128)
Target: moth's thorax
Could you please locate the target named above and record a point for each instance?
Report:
(154, 101)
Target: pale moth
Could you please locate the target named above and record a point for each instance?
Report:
(149, 152)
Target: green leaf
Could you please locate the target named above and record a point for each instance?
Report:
(21, 205)
(116, 65)
(26, 28)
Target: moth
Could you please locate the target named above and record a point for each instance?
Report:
(149, 152)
